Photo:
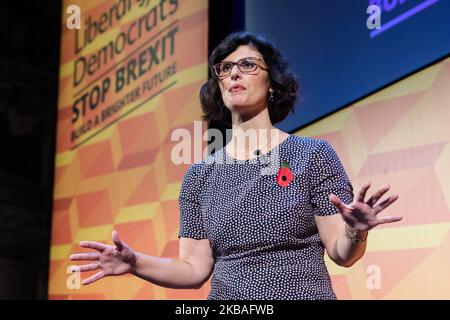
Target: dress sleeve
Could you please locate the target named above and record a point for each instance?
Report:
(328, 176)
(191, 222)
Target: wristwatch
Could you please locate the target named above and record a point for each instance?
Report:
(352, 235)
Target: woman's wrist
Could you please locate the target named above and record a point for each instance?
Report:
(354, 235)
(133, 263)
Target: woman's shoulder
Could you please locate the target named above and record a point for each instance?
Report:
(308, 144)
(200, 168)
(193, 179)
(308, 151)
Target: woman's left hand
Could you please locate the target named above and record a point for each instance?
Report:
(361, 215)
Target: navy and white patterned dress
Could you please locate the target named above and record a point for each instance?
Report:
(263, 236)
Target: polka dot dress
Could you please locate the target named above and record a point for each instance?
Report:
(263, 235)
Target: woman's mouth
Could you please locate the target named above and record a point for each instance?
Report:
(237, 88)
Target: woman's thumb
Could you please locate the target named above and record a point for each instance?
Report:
(116, 240)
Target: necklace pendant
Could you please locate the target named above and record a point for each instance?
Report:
(257, 152)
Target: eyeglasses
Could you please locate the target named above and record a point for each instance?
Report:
(245, 65)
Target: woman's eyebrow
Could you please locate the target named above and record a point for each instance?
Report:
(258, 58)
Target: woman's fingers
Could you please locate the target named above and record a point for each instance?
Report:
(363, 191)
(93, 245)
(94, 278)
(86, 267)
(389, 219)
(85, 256)
(386, 203)
(377, 195)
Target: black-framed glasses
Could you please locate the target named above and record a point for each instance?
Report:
(245, 65)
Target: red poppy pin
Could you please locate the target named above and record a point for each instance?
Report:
(285, 175)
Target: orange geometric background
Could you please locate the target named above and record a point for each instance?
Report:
(399, 136)
(123, 177)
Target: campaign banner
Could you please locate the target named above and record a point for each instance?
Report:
(130, 74)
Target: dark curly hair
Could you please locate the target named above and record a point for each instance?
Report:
(283, 83)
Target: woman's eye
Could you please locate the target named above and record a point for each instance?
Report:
(226, 67)
(247, 64)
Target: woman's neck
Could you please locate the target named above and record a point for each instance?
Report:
(260, 122)
(257, 133)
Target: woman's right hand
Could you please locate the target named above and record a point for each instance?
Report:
(109, 260)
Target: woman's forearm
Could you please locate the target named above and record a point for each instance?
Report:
(167, 272)
(346, 252)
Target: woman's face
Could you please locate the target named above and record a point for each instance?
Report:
(245, 93)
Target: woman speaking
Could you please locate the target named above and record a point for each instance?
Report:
(261, 219)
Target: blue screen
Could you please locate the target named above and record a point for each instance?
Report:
(337, 58)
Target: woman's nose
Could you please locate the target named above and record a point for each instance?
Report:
(235, 72)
